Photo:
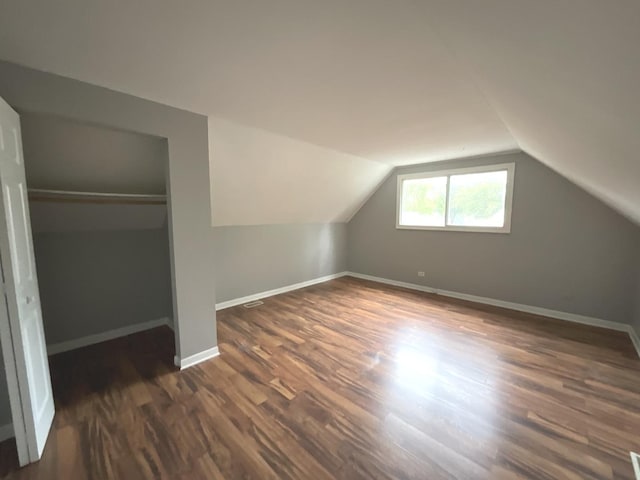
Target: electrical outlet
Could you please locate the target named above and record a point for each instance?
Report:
(421, 274)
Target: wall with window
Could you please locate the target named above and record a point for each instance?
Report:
(566, 250)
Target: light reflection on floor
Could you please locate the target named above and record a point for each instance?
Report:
(448, 392)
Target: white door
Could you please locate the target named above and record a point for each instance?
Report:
(23, 343)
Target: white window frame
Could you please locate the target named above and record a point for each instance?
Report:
(510, 168)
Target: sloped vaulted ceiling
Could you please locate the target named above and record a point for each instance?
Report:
(390, 82)
(564, 76)
(262, 178)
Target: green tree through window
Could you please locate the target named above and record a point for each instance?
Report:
(424, 197)
(466, 198)
(477, 198)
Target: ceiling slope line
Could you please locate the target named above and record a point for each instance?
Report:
(473, 78)
(564, 158)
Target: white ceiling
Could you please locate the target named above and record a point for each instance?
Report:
(395, 82)
(364, 77)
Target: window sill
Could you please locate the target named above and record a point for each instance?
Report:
(506, 230)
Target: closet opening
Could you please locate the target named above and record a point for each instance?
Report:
(98, 201)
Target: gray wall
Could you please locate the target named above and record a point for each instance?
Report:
(92, 282)
(253, 259)
(567, 251)
(61, 154)
(188, 175)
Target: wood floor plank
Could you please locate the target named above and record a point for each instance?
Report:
(350, 379)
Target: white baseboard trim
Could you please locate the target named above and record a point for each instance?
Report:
(635, 339)
(395, 283)
(6, 432)
(192, 360)
(635, 461)
(277, 291)
(104, 336)
(545, 312)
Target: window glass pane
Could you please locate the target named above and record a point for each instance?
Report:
(423, 202)
(477, 199)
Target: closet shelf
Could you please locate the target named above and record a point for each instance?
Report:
(64, 196)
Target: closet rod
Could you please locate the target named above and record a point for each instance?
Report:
(45, 195)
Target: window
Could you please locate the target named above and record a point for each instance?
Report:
(476, 199)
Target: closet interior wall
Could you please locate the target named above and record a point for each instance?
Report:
(102, 255)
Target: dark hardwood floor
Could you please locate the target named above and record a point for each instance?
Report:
(350, 379)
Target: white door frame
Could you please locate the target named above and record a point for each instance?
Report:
(11, 369)
(21, 329)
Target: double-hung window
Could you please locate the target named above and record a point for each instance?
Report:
(476, 199)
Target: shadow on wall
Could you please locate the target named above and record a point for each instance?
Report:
(258, 258)
(329, 250)
(93, 282)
